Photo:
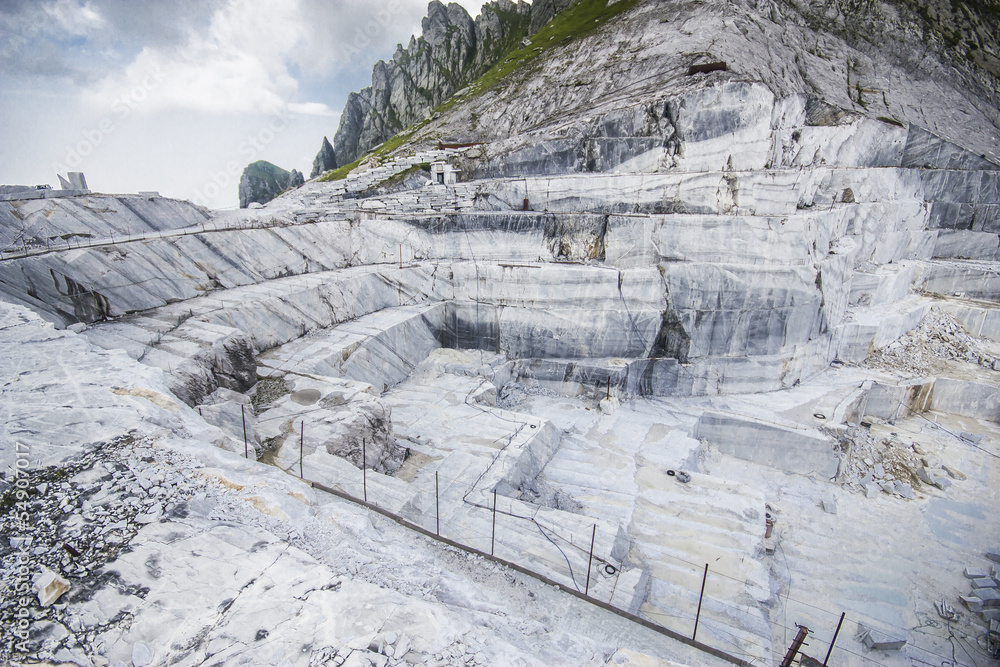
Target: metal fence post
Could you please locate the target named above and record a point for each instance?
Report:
(302, 440)
(364, 468)
(793, 650)
(701, 596)
(246, 447)
(834, 640)
(590, 559)
(493, 534)
(437, 507)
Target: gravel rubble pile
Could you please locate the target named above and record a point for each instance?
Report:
(875, 465)
(939, 337)
(83, 515)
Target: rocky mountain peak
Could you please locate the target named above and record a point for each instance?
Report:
(449, 23)
(585, 80)
(542, 12)
(452, 51)
(326, 159)
(262, 181)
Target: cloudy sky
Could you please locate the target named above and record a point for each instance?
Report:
(179, 96)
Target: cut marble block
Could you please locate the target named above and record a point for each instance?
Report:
(964, 244)
(381, 348)
(886, 401)
(971, 279)
(961, 397)
(795, 450)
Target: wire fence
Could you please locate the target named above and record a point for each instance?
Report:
(84, 240)
(455, 501)
(583, 556)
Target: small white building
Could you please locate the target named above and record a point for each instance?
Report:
(443, 173)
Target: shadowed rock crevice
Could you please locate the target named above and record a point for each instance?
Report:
(672, 341)
(88, 305)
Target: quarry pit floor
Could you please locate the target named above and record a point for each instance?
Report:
(881, 559)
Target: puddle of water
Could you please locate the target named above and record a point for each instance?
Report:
(269, 457)
(305, 396)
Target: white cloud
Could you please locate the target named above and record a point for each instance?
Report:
(193, 82)
(311, 109)
(353, 33)
(237, 65)
(33, 36)
(243, 60)
(74, 18)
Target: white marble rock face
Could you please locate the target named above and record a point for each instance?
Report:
(741, 264)
(714, 239)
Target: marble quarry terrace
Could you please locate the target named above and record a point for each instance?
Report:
(755, 391)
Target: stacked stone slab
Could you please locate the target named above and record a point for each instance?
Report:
(984, 598)
(366, 179)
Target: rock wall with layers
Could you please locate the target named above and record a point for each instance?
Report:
(783, 258)
(747, 277)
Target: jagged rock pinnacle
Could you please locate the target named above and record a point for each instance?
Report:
(325, 160)
(453, 51)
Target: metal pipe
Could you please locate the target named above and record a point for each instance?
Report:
(493, 534)
(246, 447)
(793, 650)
